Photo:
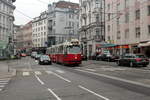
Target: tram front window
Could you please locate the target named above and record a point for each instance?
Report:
(74, 50)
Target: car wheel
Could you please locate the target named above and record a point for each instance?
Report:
(131, 64)
(118, 63)
(144, 65)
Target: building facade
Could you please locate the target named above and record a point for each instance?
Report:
(92, 25)
(128, 25)
(63, 22)
(6, 27)
(40, 30)
(23, 35)
(27, 36)
(19, 37)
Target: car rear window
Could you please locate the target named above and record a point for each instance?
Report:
(140, 56)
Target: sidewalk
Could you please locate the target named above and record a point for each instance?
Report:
(5, 70)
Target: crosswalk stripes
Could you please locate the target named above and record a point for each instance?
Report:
(38, 73)
(3, 83)
(30, 73)
(26, 74)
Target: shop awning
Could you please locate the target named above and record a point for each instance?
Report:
(108, 45)
(144, 44)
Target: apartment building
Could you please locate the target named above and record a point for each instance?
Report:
(128, 25)
(92, 25)
(40, 30)
(63, 22)
(6, 27)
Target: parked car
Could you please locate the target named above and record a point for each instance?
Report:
(84, 57)
(23, 55)
(37, 56)
(133, 60)
(107, 57)
(44, 59)
(33, 54)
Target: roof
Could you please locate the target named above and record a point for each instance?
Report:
(65, 4)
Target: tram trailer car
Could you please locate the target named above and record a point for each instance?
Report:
(68, 53)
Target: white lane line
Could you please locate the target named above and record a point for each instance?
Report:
(100, 96)
(3, 83)
(61, 77)
(42, 83)
(38, 73)
(25, 74)
(90, 70)
(5, 79)
(1, 86)
(60, 71)
(115, 78)
(54, 94)
(49, 72)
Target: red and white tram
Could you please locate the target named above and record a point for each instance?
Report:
(68, 53)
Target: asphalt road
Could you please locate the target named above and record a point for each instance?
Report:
(56, 82)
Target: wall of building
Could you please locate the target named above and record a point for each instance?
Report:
(92, 26)
(40, 30)
(63, 19)
(126, 26)
(6, 26)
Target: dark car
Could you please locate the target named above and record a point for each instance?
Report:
(37, 56)
(133, 60)
(44, 59)
(107, 57)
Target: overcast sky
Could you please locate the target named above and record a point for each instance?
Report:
(28, 9)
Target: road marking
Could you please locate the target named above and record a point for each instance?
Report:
(26, 74)
(42, 83)
(90, 70)
(5, 79)
(3, 83)
(115, 78)
(1, 86)
(37, 72)
(61, 77)
(60, 71)
(49, 72)
(100, 96)
(54, 94)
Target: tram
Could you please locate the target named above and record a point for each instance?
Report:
(68, 53)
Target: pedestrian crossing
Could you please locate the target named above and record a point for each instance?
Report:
(31, 73)
(3, 83)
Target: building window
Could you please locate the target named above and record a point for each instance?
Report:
(149, 10)
(126, 3)
(137, 14)
(108, 28)
(118, 35)
(97, 17)
(138, 32)
(149, 29)
(109, 17)
(108, 6)
(126, 33)
(127, 17)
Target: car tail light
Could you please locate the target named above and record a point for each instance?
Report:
(138, 59)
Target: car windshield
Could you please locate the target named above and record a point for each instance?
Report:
(45, 58)
(74, 49)
(140, 56)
